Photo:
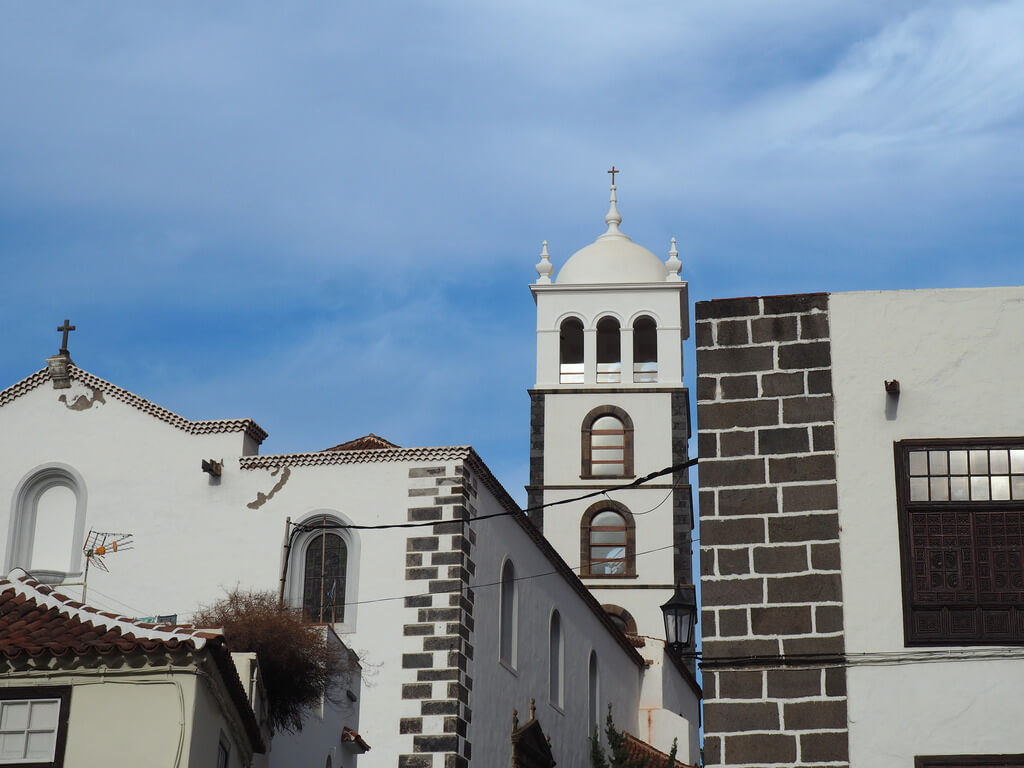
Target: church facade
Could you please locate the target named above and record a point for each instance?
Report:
(463, 610)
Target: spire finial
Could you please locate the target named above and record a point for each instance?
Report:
(544, 268)
(674, 264)
(614, 218)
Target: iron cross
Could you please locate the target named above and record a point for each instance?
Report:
(64, 343)
(613, 171)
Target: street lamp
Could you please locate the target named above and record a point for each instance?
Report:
(680, 616)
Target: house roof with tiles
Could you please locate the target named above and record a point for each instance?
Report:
(370, 442)
(39, 378)
(37, 622)
(637, 750)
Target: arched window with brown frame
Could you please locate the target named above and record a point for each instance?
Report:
(606, 443)
(607, 542)
(609, 351)
(645, 350)
(570, 351)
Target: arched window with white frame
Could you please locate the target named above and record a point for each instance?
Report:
(47, 524)
(609, 351)
(323, 570)
(570, 351)
(508, 617)
(645, 350)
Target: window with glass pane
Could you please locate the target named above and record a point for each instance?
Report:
(570, 351)
(609, 351)
(28, 730)
(608, 447)
(645, 350)
(608, 543)
(961, 506)
(323, 593)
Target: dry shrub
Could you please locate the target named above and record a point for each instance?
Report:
(300, 666)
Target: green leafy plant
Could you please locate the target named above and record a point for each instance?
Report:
(618, 757)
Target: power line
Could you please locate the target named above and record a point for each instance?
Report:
(305, 527)
(490, 583)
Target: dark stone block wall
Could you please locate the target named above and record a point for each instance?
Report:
(772, 615)
(439, 561)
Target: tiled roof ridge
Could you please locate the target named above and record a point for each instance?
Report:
(22, 583)
(433, 453)
(23, 387)
(213, 426)
(368, 442)
(637, 748)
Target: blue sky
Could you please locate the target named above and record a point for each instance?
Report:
(325, 215)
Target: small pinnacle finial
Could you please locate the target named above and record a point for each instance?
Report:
(674, 264)
(614, 218)
(544, 267)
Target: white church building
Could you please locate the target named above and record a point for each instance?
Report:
(462, 608)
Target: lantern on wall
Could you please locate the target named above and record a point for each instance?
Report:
(680, 614)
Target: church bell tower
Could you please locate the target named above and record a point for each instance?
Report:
(608, 407)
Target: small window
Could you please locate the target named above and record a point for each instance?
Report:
(645, 350)
(223, 751)
(621, 618)
(556, 661)
(609, 351)
(322, 578)
(571, 351)
(508, 617)
(606, 443)
(608, 536)
(33, 725)
(594, 695)
(961, 516)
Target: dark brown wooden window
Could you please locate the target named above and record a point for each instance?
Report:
(645, 350)
(606, 443)
(570, 351)
(323, 593)
(609, 351)
(607, 542)
(963, 761)
(961, 516)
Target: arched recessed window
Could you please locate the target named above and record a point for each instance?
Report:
(606, 443)
(609, 351)
(608, 541)
(645, 350)
(324, 576)
(508, 615)
(594, 695)
(570, 351)
(556, 661)
(47, 524)
(323, 570)
(621, 618)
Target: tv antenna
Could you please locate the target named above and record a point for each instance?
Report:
(98, 545)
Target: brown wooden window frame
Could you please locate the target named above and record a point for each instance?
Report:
(967, 761)
(946, 539)
(587, 445)
(586, 528)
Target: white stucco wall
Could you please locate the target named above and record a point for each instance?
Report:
(124, 718)
(498, 689)
(957, 356)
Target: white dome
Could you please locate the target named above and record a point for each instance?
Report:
(613, 258)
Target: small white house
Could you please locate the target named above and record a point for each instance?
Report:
(84, 688)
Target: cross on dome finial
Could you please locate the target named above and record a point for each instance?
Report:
(614, 218)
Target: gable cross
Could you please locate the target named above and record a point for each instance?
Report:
(64, 342)
(613, 171)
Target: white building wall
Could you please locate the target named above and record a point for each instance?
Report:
(497, 689)
(957, 356)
